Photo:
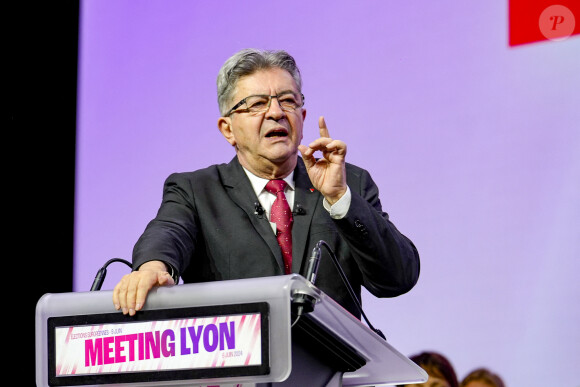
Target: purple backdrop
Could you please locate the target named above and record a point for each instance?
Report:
(474, 145)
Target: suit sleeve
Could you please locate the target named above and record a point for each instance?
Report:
(388, 260)
(171, 236)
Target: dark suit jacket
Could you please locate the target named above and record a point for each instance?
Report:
(208, 230)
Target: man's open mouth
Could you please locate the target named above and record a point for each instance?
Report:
(277, 133)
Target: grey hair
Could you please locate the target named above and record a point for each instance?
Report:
(246, 62)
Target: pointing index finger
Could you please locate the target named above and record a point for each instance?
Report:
(322, 127)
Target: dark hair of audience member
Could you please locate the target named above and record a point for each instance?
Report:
(436, 365)
(482, 375)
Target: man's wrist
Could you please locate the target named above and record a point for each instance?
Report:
(161, 266)
(153, 266)
(173, 273)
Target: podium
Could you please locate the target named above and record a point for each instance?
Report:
(226, 333)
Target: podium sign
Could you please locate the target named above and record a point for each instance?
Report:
(159, 345)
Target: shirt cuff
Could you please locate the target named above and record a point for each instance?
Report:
(339, 209)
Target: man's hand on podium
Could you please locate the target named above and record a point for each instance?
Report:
(131, 292)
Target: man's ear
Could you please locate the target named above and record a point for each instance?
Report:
(225, 127)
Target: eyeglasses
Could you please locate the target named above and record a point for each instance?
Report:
(259, 104)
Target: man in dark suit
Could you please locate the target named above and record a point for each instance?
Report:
(222, 222)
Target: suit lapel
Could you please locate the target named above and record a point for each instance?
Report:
(308, 198)
(240, 191)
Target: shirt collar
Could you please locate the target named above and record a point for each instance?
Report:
(258, 183)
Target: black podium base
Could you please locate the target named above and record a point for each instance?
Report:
(319, 357)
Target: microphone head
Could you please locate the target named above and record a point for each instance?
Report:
(299, 210)
(99, 279)
(258, 210)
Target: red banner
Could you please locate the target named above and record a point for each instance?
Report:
(539, 20)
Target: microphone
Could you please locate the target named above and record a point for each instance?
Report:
(299, 210)
(304, 303)
(102, 273)
(312, 265)
(258, 210)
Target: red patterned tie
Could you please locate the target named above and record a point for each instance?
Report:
(282, 216)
